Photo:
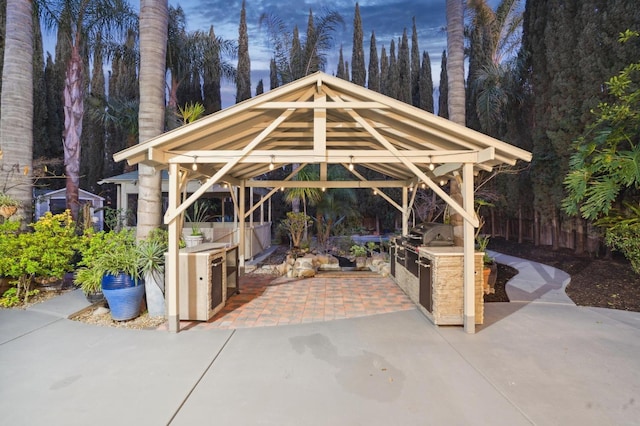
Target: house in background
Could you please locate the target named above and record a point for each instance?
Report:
(56, 202)
(222, 226)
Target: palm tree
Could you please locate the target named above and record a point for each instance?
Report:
(293, 63)
(16, 122)
(196, 53)
(455, 74)
(311, 196)
(336, 205)
(494, 42)
(110, 18)
(455, 60)
(154, 19)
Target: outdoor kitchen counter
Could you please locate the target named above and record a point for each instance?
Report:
(438, 289)
(440, 251)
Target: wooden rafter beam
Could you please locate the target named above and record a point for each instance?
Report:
(389, 146)
(169, 216)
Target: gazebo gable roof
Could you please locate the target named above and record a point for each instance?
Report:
(323, 119)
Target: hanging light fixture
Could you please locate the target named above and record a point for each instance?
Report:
(431, 165)
(271, 165)
(443, 182)
(194, 166)
(351, 163)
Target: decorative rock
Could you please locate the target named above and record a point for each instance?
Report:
(304, 267)
(100, 311)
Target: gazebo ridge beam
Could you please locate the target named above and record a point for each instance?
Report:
(333, 156)
(371, 184)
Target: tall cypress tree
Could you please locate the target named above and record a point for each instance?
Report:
(340, 72)
(273, 74)
(295, 59)
(55, 86)
(415, 67)
(55, 122)
(393, 84)
(358, 73)
(425, 85)
(570, 49)
(310, 47)
(92, 160)
(41, 140)
(374, 70)
(384, 72)
(243, 82)
(404, 70)
(259, 88)
(211, 75)
(443, 91)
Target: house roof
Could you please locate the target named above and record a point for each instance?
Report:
(61, 193)
(323, 120)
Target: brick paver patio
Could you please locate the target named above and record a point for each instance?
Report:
(265, 300)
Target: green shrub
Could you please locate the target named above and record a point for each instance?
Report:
(46, 252)
(626, 239)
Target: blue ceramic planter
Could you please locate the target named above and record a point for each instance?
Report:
(124, 296)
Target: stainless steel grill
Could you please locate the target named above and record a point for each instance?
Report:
(427, 234)
(430, 234)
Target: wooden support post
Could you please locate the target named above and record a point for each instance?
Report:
(469, 250)
(241, 228)
(171, 286)
(405, 210)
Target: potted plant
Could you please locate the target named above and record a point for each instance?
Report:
(200, 215)
(490, 269)
(8, 205)
(114, 257)
(360, 253)
(151, 253)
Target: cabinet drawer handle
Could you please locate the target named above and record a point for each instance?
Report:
(426, 265)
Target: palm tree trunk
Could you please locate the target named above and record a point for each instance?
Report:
(73, 115)
(154, 18)
(16, 122)
(455, 60)
(455, 72)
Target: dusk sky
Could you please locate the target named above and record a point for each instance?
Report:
(388, 18)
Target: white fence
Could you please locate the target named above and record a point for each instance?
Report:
(257, 238)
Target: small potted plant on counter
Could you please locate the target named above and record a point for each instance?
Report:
(200, 214)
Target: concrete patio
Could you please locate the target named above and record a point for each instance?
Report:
(533, 362)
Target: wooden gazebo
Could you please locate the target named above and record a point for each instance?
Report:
(323, 120)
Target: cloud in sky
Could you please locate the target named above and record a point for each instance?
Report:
(387, 18)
